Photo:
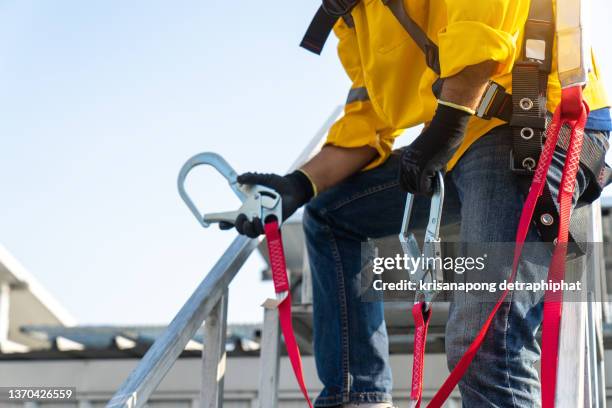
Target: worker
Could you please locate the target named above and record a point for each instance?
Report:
(354, 189)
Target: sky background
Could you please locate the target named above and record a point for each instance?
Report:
(101, 104)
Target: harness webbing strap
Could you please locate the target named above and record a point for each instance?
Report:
(592, 159)
(318, 31)
(357, 94)
(421, 324)
(281, 285)
(528, 115)
(530, 86)
(573, 111)
(429, 48)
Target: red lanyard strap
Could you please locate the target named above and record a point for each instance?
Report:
(281, 285)
(421, 324)
(572, 111)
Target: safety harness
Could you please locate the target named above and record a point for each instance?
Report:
(536, 135)
(265, 204)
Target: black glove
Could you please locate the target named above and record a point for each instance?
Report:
(295, 190)
(432, 149)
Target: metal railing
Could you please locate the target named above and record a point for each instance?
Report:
(208, 303)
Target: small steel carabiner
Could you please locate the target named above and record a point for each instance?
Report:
(426, 272)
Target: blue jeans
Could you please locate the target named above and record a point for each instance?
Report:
(350, 338)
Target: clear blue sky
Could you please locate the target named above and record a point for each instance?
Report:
(101, 104)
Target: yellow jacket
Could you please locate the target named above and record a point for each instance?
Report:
(378, 54)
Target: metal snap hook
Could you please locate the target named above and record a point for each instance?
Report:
(431, 243)
(218, 163)
(257, 201)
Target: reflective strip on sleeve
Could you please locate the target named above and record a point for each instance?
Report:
(358, 94)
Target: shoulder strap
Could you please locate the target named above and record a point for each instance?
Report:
(322, 24)
(529, 87)
(539, 35)
(429, 48)
(318, 31)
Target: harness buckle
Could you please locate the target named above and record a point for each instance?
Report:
(427, 272)
(483, 110)
(257, 201)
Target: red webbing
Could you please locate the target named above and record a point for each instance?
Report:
(572, 110)
(281, 284)
(421, 324)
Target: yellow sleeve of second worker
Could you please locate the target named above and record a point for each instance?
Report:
(360, 125)
(479, 31)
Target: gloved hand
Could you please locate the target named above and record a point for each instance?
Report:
(432, 149)
(295, 190)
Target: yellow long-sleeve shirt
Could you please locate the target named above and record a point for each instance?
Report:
(379, 55)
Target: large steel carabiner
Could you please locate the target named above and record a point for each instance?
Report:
(257, 201)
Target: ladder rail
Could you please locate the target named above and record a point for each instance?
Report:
(159, 359)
